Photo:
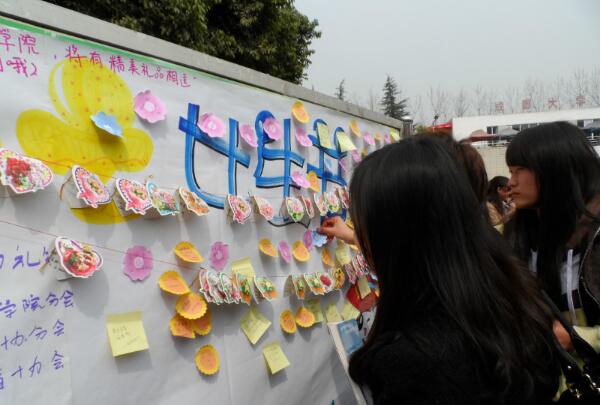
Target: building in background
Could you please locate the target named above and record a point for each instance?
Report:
(491, 134)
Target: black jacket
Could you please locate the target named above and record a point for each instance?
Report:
(442, 369)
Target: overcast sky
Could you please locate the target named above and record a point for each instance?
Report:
(451, 44)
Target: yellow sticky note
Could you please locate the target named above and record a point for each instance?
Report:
(314, 306)
(324, 135)
(126, 333)
(332, 314)
(345, 142)
(364, 289)
(275, 358)
(349, 311)
(244, 267)
(343, 255)
(254, 325)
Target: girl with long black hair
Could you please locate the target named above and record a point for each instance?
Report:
(498, 202)
(458, 321)
(555, 187)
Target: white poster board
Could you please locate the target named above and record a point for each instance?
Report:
(51, 85)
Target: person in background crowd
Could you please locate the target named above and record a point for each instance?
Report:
(555, 188)
(498, 202)
(457, 321)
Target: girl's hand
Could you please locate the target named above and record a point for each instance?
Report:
(562, 335)
(334, 227)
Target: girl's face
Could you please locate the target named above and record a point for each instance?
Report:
(504, 192)
(524, 187)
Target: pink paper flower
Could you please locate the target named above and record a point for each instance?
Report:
(219, 255)
(284, 249)
(386, 138)
(137, 263)
(212, 125)
(248, 134)
(149, 107)
(356, 156)
(300, 179)
(308, 239)
(272, 128)
(301, 137)
(368, 139)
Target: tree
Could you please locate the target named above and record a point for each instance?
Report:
(340, 91)
(593, 87)
(270, 36)
(439, 102)
(479, 99)
(417, 110)
(391, 103)
(511, 99)
(461, 104)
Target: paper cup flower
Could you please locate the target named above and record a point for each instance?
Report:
(300, 113)
(386, 138)
(313, 181)
(207, 360)
(300, 179)
(284, 249)
(219, 255)
(287, 321)
(191, 306)
(181, 327)
(308, 239)
(300, 251)
(356, 155)
(326, 258)
(368, 139)
(304, 317)
(203, 325)
(137, 263)
(272, 128)
(248, 134)
(302, 137)
(212, 125)
(149, 107)
(267, 248)
(107, 123)
(173, 283)
(355, 128)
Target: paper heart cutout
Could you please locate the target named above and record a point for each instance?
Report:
(263, 207)
(332, 202)
(162, 200)
(79, 260)
(23, 174)
(90, 188)
(308, 206)
(295, 208)
(320, 203)
(193, 202)
(240, 208)
(134, 194)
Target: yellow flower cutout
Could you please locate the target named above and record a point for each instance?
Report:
(72, 138)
